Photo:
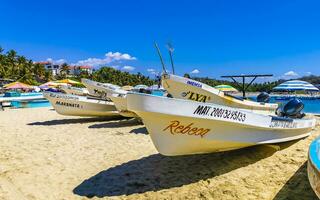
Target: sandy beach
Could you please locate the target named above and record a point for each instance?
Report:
(48, 156)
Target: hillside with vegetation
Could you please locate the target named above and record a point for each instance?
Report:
(19, 68)
(111, 75)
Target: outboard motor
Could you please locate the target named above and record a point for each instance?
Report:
(263, 97)
(145, 91)
(292, 109)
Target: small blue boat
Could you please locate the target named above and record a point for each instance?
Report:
(314, 166)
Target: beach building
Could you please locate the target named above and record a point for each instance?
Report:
(76, 70)
(294, 86)
(54, 68)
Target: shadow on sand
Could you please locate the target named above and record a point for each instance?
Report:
(118, 124)
(74, 121)
(297, 187)
(157, 172)
(141, 130)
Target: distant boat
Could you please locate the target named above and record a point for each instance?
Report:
(185, 88)
(66, 104)
(23, 97)
(110, 92)
(74, 90)
(100, 89)
(181, 127)
(138, 87)
(314, 166)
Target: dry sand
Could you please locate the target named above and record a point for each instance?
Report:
(48, 156)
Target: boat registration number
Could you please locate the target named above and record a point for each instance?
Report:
(220, 113)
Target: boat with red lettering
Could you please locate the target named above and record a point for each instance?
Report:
(185, 88)
(66, 104)
(180, 127)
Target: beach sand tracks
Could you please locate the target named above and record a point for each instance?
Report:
(298, 184)
(157, 172)
(60, 157)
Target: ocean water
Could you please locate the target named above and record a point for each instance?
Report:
(310, 105)
(31, 104)
(157, 92)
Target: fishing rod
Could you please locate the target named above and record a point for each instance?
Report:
(171, 49)
(159, 54)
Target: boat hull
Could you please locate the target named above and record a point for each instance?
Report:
(179, 127)
(314, 166)
(101, 90)
(184, 88)
(80, 106)
(121, 105)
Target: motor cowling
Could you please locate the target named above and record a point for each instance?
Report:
(263, 97)
(145, 91)
(292, 109)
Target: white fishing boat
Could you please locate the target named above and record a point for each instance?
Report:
(185, 88)
(108, 91)
(180, 127)
(100, 90)
(314, 166)
(120, 101)
(66, 104)
(74, 90)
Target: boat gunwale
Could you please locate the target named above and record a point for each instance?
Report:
(215, 91)
(266, 117)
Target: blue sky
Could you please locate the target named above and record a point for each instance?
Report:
(212, 38)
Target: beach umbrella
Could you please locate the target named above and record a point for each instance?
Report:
(68, 81)
(226, 88)
(17, 85)
(127, 87)
(51, 84)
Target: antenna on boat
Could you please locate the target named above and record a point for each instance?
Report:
(159, 54)
(171, 49)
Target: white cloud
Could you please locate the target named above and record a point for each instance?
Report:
(195, 71)
(56, 62)
(119, 56)
(152, 71)
(109, 58)
(291, 73)
(128, 68)
(308, 73)
(92, 62)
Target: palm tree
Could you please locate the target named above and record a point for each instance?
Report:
(38, 70)
(64, 70)
(48, 75)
